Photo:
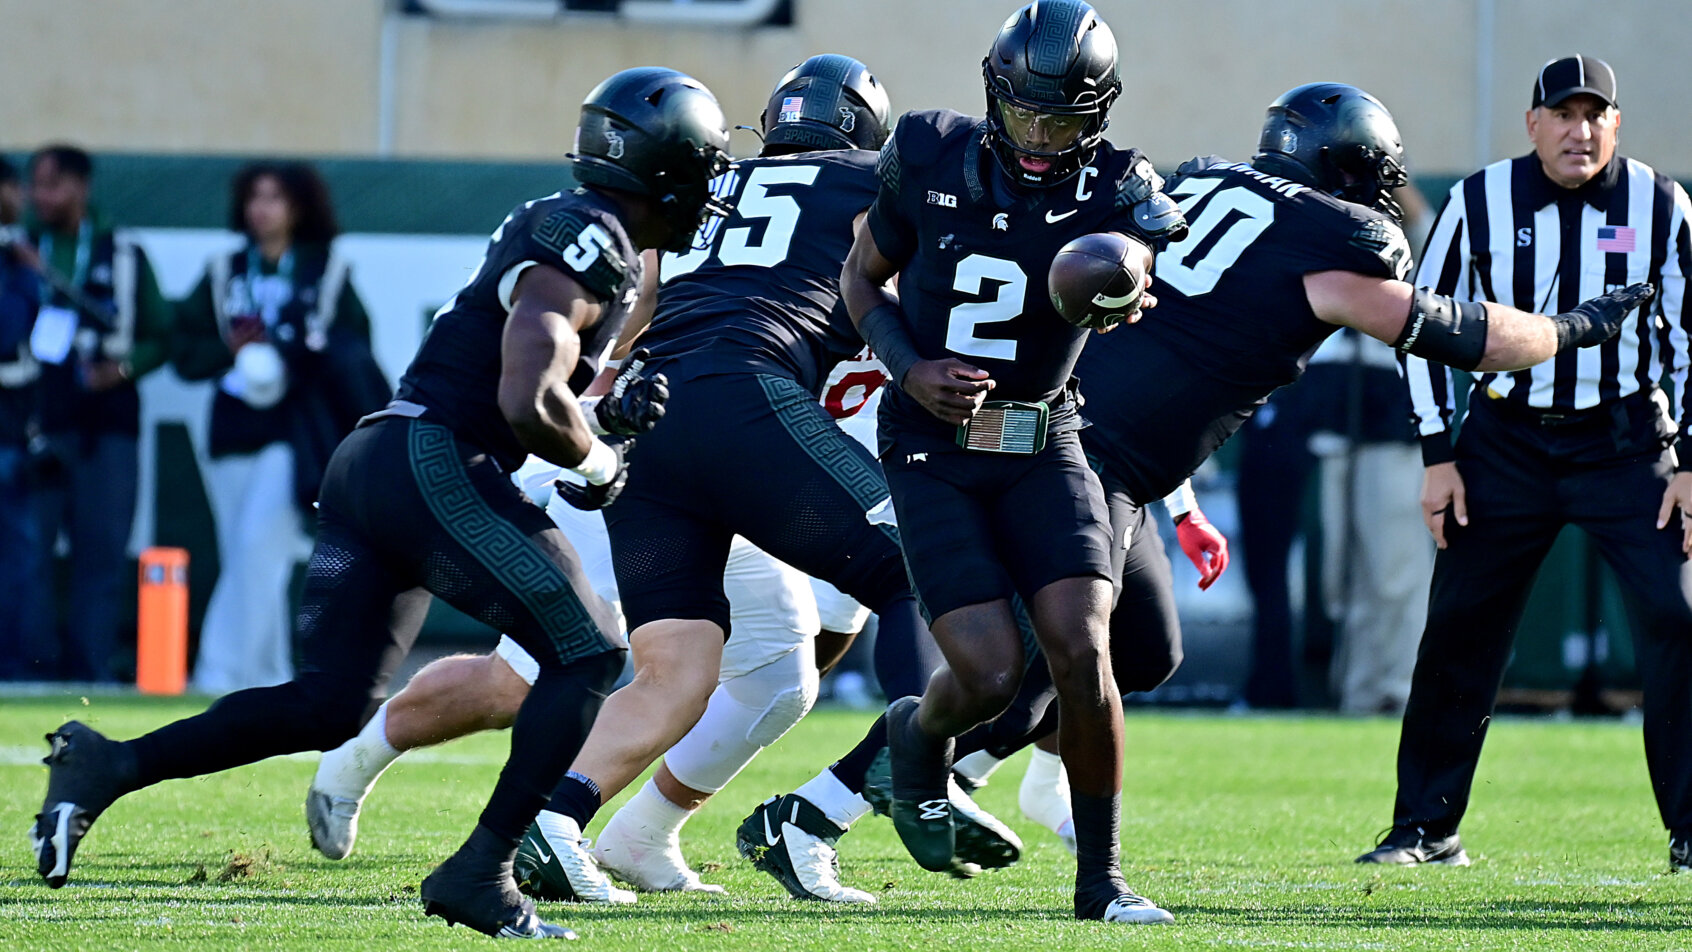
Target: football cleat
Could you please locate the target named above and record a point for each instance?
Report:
(559, 867)
(1412, 846)
(333, 822)
(1680, 854)
(1136, 910)
(484, 900)
(793, 841)
(919, 802)
(981, 840)
(649, 860)
(87, 774)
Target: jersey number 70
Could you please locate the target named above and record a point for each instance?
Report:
(1231, 220)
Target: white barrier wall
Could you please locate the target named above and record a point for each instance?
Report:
(402, 280)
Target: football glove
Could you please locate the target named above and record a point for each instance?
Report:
(590, 496)
(1205, 545)
(1598, 320)
(636, 401)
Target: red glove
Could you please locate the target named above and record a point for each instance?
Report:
(1204, 544)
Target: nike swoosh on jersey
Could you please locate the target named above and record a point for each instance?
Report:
(1053, 218)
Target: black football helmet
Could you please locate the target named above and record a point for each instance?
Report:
(1335, 138)
(827, 102)
(658, 133)
(1054, 57)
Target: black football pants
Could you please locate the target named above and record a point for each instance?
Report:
(1525, 481)
(407, 510)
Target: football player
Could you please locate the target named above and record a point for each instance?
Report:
(417, 501)
(994, 496)
(747, 328)
(1318, 246)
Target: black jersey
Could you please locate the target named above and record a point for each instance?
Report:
(1232, 321)
(974, 252)
(761, 289)
(455, 374)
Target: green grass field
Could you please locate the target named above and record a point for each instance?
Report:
(1243, 827)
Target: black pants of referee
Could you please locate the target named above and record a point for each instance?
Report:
(1605, 472)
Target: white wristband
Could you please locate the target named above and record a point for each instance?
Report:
(590, 412)
(1181, 501)
(599, 466)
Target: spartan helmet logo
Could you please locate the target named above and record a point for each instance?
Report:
(1289, 141)
(848, 122)
(1001, 222)
(613, 144)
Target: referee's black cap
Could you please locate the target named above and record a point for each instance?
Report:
(1571, 76)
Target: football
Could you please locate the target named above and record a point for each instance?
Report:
(1096, 280)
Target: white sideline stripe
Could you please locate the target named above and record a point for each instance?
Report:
(31, 757)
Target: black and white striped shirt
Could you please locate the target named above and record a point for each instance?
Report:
(1509, 234)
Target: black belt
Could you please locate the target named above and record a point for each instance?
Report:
(1604, 414)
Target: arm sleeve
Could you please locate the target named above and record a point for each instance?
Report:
(890, 222)
(197, 350)
(1444, 269)
(1677, 272)
(154, 319)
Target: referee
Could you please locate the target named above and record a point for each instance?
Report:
(1583, 439)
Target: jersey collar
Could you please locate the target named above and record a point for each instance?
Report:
(1541, 191)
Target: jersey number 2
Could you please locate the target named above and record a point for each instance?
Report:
(1006, 303)
(1230, 222)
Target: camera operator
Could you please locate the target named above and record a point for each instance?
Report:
(102, 325)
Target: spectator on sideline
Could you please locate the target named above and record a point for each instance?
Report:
(102, 326)
(1376, 557)
(19, 540)
(279, 326)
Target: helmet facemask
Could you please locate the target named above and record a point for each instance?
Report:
(1006, 112)
(1052, 64)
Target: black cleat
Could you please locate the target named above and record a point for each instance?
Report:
(981, 841)
(1680, 854)
(88, 774)
(1412, 846)
(480, 893)
(920, 804)
(793, 841)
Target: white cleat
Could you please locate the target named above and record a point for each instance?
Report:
(793, 841)
(646, 858)
(1136, 910)
(555, 863)
(333, 822)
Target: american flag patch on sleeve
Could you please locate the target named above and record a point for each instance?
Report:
(1615, 238)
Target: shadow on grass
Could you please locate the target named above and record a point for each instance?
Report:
(1516, 915)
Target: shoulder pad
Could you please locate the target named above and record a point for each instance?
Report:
(1140, 183)
(586, 247)
(1383, 238)
(1160, 219)
(1155, 215)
